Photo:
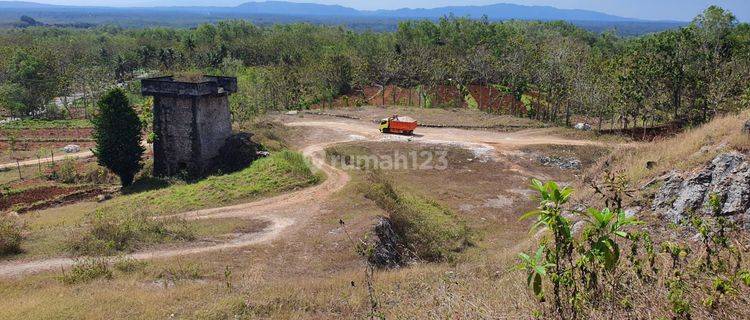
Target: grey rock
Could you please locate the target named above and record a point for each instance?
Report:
(582, 126)
(562, 163)
(631, 212)
(727, 176)
(691, 195)
(103, 197)
(72, 148)
(746, 127)
(668, 192)
(731, 182)
(8, 120)
(389, 248)
(578, 227)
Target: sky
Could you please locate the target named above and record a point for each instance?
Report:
(681, 10)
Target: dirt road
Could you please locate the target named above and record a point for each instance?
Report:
(281, 211)
(78, 155)
(288, 212)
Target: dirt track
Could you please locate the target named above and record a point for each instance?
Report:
(288, 212)
(79, 155)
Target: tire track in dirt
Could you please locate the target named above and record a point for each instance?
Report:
(286, 212)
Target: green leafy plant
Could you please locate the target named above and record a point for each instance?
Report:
(603, 227)
(536, 268)
(578, 270)
(549, 215)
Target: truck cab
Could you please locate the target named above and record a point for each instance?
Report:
(397, 124)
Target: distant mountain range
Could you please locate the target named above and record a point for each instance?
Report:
(500, 11)
(284, 12)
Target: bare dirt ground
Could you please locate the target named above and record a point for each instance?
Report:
(290, 213)
(457, 117)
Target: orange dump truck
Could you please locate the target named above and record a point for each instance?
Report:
(396, 124)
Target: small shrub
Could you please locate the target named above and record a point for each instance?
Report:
(10, 236)
(67, 172)
(180, 272)
(97, 175)
(128, 265)
(431, 231)
(87, 270)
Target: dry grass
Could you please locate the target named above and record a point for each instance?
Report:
(686, 151)
(189, 76)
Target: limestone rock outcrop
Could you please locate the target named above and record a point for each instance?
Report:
(727, 176)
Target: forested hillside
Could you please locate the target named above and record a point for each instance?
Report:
(556, 71)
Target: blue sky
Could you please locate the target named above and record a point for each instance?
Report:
(683, 10)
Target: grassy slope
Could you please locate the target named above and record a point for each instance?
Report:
(280, 172)
(685, 151)
(283, 171)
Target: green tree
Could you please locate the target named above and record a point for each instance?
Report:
(34, 83)
(117, 132)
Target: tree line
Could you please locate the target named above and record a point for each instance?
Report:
(558, 70)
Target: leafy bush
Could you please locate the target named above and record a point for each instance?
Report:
(431, 231)
(67, 172)
(110, 233)
(577, 270)
(96, 175)
(588, 274)
(10, 235)
(87, 270)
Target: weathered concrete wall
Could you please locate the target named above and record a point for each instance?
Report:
(214, 125)
(189, 132)
(173, 119)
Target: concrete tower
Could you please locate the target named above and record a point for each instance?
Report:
(191, 121)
